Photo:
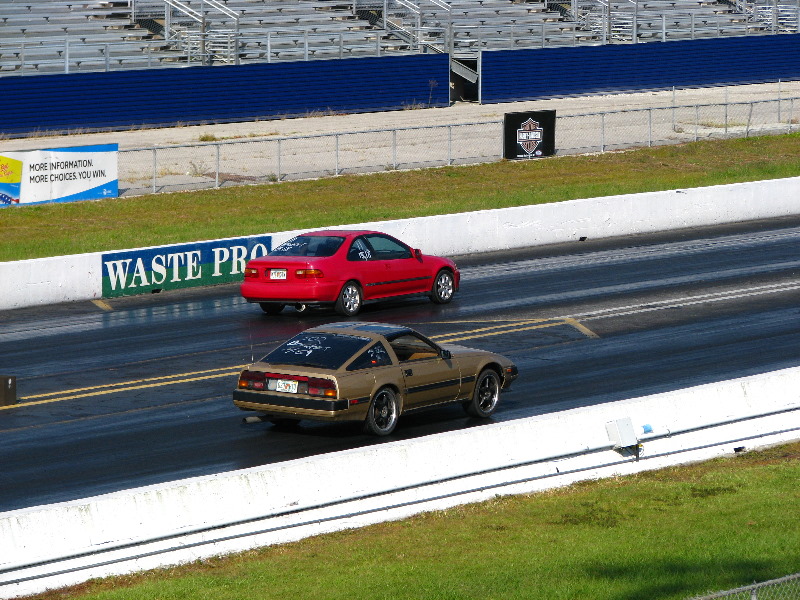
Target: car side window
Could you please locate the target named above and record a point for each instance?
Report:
(359, 250)
(374, 356)
(387, 248)
(409, 347)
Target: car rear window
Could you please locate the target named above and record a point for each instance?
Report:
(319, 350)
(309, 245)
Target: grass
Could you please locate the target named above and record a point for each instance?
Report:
(661, 535)
(76, 227)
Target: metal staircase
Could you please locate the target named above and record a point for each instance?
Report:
(200, 31)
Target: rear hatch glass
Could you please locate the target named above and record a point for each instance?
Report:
(317, 350)
(309, 245)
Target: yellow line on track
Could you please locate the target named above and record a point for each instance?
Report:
(581, 327)
(508, 329)
(151, 382)
(100, 390)
(504, 325)
(102, 304)
(135, 381)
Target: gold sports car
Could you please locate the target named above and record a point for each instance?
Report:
(371, 373)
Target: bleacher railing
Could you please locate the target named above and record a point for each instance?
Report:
(264, 160)
(206, 39)
(67, 55)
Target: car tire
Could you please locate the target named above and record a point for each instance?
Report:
(350, 299)
(270, 308)
(485, 396)
(383, 413)
(443, 287)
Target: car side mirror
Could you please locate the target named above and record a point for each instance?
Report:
(445, 354)
(417, 253)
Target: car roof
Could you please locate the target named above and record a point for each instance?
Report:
(363, 328)
(344, 232)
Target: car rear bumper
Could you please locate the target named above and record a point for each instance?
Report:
(306, 292)
(302, 407)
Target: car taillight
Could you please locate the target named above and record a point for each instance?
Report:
(321, 387)
(252, 380)
(250, 272)
(308, 274)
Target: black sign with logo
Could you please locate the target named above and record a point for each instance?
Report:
(529, 134)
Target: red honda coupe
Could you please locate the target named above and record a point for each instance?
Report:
(345, 269)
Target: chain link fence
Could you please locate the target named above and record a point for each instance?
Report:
(264, 160)
(785, 588)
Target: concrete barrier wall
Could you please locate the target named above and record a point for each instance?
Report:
(50, 280)
(80, 277)
(184, 520)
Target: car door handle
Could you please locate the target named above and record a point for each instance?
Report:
(408, 372)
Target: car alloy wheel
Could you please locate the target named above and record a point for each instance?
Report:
(443, 287)
(383, 413)
(486, 394)
(349, 302)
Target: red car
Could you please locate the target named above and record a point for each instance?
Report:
(345, 269)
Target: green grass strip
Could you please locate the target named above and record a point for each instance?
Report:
(661, 535)
(72, 228)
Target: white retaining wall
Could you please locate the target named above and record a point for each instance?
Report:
(194, 518)
(70, 278)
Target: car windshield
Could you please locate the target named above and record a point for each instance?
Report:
(321, 350)
(309, 245)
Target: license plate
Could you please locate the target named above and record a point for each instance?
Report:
(277, 274)
(286, 385)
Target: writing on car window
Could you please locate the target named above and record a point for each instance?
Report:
(309, 245)
(359, 250)
(374, 356)
(323, 350)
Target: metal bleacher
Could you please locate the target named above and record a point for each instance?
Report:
(464, 27)
(65, 36)
(617, 21)
(52, 36)
(254, 30)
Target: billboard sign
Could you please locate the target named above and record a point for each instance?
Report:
(149, 270)
(529, 134)
(58, 175)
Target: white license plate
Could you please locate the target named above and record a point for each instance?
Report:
(277, 274)
(286, 385)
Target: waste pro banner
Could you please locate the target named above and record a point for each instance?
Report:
(149, 270)
(59, 175)
(529, 134)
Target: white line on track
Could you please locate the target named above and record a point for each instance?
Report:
(632, 309)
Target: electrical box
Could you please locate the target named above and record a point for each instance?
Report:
(8, 390)
(621, 433)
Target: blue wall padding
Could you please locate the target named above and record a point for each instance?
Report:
(166, 97)
(512, 75)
